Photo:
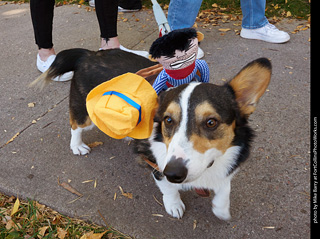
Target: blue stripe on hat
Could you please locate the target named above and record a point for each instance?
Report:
(128, 100)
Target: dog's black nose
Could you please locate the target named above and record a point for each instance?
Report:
(176, 170)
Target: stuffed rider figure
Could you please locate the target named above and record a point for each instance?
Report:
(177, 52)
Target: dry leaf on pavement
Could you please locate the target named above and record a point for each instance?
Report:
(224, 29)
(15, 136)
(128, 195)
(95, 144)
(91, 235)
(70, 189)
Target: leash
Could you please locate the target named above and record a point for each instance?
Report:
(160, 17)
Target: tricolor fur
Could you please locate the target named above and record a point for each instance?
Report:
(201, 132)
(90, 69)
(201, 135)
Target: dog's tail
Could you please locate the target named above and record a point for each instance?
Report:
(65, 61)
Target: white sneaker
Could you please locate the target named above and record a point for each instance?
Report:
(45, 65)
(91, 3)
(268, 33)
(121, 9)
(140, 53)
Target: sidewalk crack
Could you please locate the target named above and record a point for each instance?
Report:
(32, 123)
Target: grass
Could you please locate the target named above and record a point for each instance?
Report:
(298, 8)
(33, 220)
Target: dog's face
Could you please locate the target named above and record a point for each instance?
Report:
(198, 123)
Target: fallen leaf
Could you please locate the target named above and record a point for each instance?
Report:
(128, 195)
(91, 235)
(56, 220)
(15, 207)
(42, 231)
(31, 105)
(268, 227)
(95, 144)
(157, 215)
(10, 224)
(61, 233)
(289, 14)
(70, 189)
(74, 200)
(88, 181)
(224, 29)
(15, 136)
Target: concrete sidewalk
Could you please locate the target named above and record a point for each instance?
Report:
(270, 195)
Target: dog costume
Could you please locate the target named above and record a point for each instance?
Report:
(177, 52)
(124, 106)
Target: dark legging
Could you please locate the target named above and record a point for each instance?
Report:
(42, 19)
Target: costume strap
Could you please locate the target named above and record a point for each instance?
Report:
(128, 100)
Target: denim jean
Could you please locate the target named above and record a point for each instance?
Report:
(183, 13)
(253, 12)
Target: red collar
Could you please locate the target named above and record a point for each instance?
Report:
(181, 73)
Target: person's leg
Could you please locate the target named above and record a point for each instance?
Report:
(253, 12)
(42, 20)
(107, 13)
(183, 13)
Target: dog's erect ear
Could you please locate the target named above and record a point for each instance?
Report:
(250, 84)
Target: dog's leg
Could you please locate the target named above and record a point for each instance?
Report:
(221, 201)
(171, 198)
(76, 144)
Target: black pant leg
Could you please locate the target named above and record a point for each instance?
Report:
(42, 20)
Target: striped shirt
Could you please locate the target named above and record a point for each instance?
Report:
(163, 78)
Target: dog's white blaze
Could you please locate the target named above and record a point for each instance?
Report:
(184, 104)
(179, 141)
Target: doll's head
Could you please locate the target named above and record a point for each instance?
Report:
(176, 50)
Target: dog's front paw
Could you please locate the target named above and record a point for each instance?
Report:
(174, 206)
(80, 149)
(222, 213)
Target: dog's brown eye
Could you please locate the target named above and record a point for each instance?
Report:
(168, 120)
(211, 123)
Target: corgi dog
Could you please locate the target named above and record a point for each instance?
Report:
(201, 133)
(201, 136)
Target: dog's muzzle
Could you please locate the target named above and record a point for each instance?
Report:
(176, 170)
